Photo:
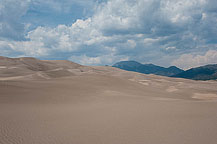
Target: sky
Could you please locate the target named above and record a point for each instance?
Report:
(103, 32)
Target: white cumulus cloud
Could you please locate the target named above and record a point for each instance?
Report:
(190, 60)
(143, 30)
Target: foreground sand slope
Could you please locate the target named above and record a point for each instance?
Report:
(54, 102)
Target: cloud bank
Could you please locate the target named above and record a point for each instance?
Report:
(150, 31)
(187, 61)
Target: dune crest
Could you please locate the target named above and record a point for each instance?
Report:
(53, 102)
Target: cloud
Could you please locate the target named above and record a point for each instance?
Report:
(99, 60)
(187, 61)
(172, 48)
(142, 30)
(11, 12)
(63, 6)
(53, 12)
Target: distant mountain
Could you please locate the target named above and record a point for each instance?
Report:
(208, 72)
(147, 68)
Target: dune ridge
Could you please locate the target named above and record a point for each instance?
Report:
(53, 102)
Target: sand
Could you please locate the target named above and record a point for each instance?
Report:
(104, 105)
(171, 89)
(205, 96)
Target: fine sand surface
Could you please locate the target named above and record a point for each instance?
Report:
(59, 102)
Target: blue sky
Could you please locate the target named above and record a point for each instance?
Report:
(102, 32)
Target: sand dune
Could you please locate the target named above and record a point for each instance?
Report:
(54, 102)
(206, 96)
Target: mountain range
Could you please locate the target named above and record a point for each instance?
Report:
(207, 72)
(148, 68)
(34, 68)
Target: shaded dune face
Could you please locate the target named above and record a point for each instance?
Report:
(53, 102)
